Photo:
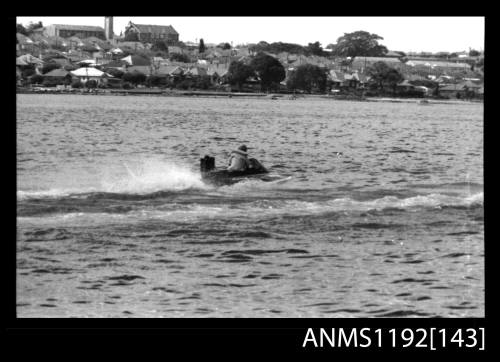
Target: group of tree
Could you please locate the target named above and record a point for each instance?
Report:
(309, 78)
(179, 57)
(266, 68)
(224, 46)
(280, 47)
(358, 43)
(277, 47)
(134, 77)
(381, 75)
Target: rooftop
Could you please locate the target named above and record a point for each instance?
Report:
(155, 29)
(78, 27)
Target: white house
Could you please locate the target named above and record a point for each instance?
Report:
(85, 74)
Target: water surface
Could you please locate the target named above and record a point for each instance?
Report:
(380, 212)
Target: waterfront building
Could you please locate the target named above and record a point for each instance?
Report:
(85, 74)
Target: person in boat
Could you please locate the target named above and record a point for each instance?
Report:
(238, 160)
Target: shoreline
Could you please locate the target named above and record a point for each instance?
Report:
(273, 96)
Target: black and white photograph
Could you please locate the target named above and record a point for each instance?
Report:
(250, 167)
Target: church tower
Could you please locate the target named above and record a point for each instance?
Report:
(108, 27)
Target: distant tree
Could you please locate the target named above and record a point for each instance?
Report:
(201, 47)
(278, 47)
(127, 85)
(480, 64)
(382, 74)
(47, 67)
(259, 47)
(36, 79)
(269, 70)
(155, 81)
(315, 49)
(132, 36)
(47, 82)
(424, 82)
(87, 48)
(224, 46)
(360, 43)
(77, 84)
(91, 84)
(443, 55)
(307, 77)
(333, 51)
(202, 82)
(28, 72)
(474, 53)
(134, 78)
(239, 72)
(21, 29)
(33, 26)
(183, 84)
(176, 57)
(145, 54)
(160, 45)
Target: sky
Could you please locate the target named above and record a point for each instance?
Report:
(408, 34)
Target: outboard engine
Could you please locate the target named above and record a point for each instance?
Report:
(207, 164)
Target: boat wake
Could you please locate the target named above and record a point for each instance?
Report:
(144, 178)
(191, 205)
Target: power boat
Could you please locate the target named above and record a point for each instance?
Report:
(221, 176)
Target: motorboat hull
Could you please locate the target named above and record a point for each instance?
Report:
(219, 176)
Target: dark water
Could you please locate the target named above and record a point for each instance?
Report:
(379, 214)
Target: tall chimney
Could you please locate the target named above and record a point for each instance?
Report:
(108, 27)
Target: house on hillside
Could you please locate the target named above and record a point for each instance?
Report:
(135, 60)
(362, 63)
(75, 42)
(99, 43)
(57, 76)
(29, 60)
(405, 86)
(218, 73)
(345, 80)
(132, 45)
(143, 69)
(435, 67)
(151, 33)
(117, 65)
(88, 73)
(63, 62)
(467, 89)
(175, 50)
(193, 72)
(23, 41)
(171, 73)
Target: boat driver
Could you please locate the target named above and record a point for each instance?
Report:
(238, 160)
